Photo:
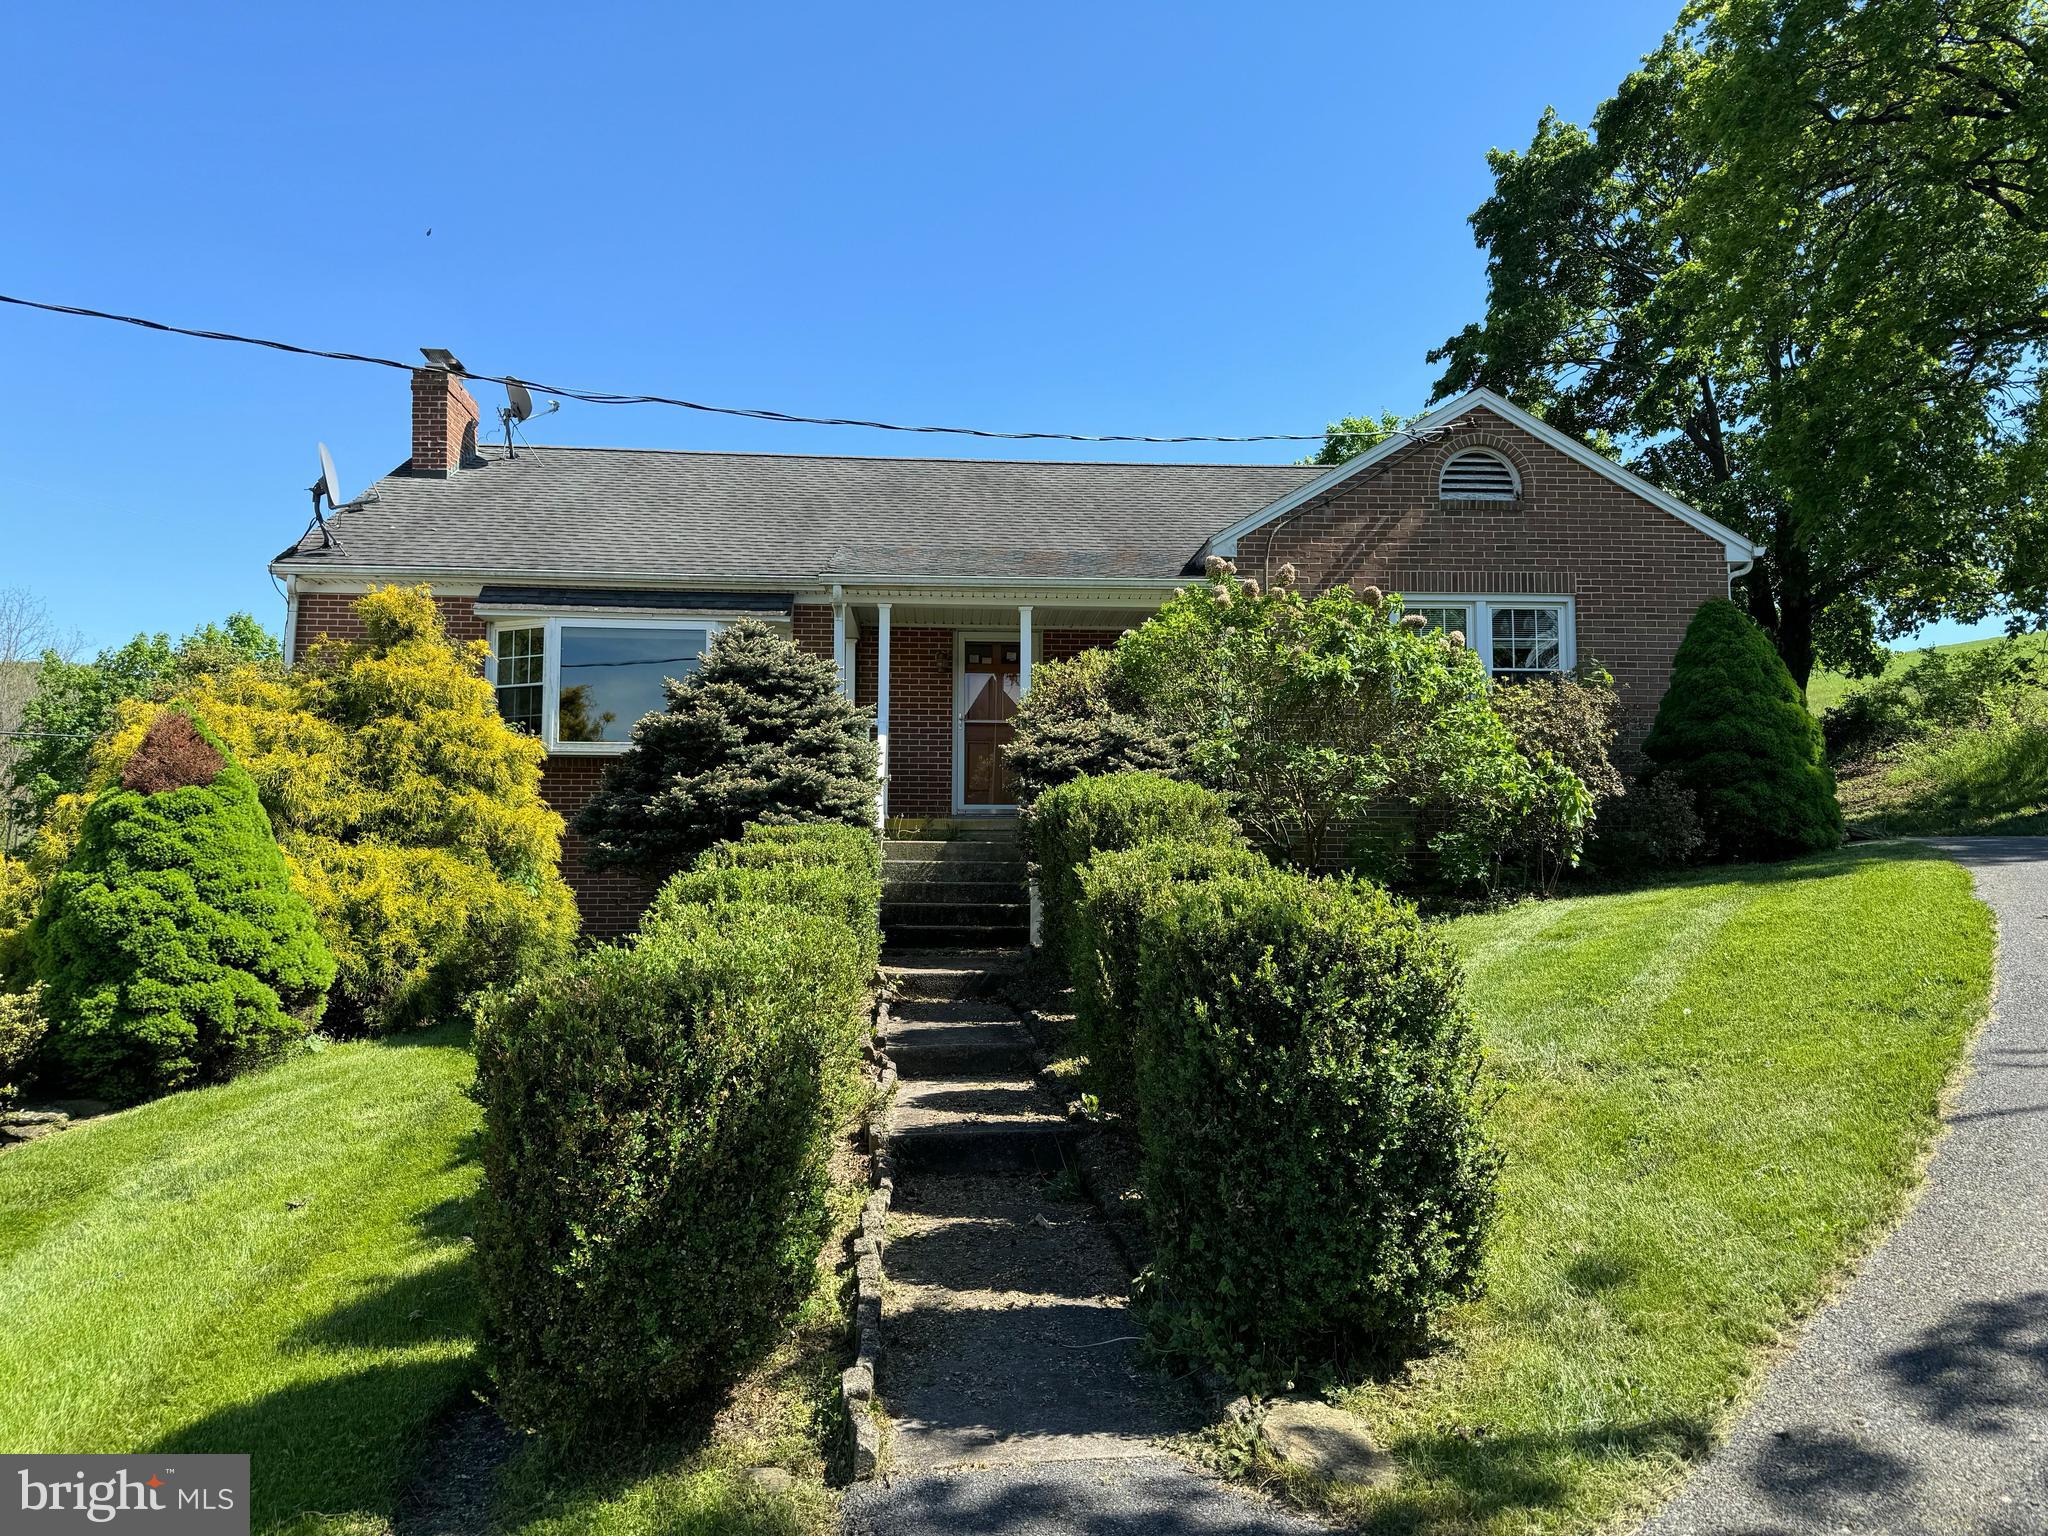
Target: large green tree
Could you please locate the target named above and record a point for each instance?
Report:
(1797, 268)
(74, 702)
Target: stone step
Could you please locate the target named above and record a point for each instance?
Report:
(952, 890)
(976, 1125)
(1012, 916)
(921, 973)
(991, 1047)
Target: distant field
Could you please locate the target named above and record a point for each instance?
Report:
(1824, 690)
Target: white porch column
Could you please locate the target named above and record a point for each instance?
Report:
(1023, 649)
(882, 710)
(842, 648)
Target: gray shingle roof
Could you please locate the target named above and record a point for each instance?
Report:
(619, 513)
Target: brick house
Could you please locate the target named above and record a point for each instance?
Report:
(936, 583)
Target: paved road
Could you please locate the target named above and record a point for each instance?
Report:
(1144, 1496)
(1918, 1401)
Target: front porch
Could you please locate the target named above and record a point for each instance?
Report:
(944, 671)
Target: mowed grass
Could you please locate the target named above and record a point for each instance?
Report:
(1713, 1096)
(277, 1266)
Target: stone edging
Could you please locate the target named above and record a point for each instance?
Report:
(857, 1381)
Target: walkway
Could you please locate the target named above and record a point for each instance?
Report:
(1918, 1401)
(1019, 1403)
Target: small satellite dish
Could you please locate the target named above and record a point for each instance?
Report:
(518, 407)
(328, 489)
(330, 485)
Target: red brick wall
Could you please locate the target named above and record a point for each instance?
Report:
(1636, 573)
(1066, 644)
(334, 614)
(610, 900)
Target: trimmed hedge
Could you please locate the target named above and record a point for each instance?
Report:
(848, 895)
(658, 1122)
(1316, 1180)
(814, 842)
(1116, 887)
(1072, 822)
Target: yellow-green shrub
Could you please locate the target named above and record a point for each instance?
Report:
(409, 811)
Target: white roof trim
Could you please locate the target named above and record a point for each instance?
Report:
(1739, 549)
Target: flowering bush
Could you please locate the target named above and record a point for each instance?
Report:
(1316, 716)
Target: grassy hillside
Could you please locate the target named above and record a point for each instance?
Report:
(1824, 690)
(1713, 1095)
(282, 1266)
(1952, 739)
(277, 1266)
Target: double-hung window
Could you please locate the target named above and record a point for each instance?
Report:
(1515, 637)
(581, 684)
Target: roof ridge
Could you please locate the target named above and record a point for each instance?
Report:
(543, 449)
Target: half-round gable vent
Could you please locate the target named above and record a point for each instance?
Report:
(1476, 475)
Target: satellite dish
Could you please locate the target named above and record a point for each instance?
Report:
(330, 484)
(518, 407)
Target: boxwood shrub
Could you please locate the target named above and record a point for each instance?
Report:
(808, 843)
(658, 1120)
(1317, 1182)
(1116, 887)
(1072, 822)
(847, 892)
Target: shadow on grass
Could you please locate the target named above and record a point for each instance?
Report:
(437, 1303)
(1460, 1481)
(345, 1443)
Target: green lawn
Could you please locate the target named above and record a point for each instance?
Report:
(281, 1266)
(276, 1266)
(1714, 1094)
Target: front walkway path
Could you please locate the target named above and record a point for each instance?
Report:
(1019, 1402)
(1918, 1401)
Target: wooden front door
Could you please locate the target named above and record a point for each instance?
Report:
(985, 702)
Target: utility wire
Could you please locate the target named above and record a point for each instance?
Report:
(602, 397)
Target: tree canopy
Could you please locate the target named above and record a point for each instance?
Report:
(75, 702)
(1796, 269)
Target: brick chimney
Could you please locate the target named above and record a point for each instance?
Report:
(444, 421)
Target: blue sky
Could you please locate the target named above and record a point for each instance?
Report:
(1100, 218)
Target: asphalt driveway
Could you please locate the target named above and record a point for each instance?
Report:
(1918, 1400)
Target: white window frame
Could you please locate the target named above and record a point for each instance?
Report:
(1479, 613)
(1514, 475)
(551, 667)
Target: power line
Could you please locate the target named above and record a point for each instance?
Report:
(603, 397)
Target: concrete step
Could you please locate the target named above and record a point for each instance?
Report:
(966, 1046)
(989, 829)
(953, 889)
(950, 971)
(1010, 916)
(956, 936)
(966, 851)
(976, 1125)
